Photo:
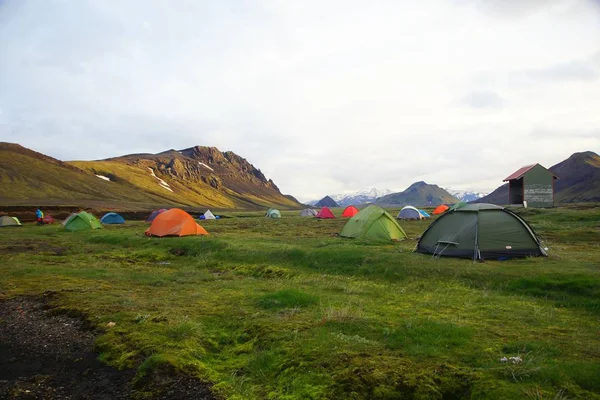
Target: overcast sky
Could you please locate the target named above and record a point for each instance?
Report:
(323, 96)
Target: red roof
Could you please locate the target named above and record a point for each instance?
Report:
(521, 171)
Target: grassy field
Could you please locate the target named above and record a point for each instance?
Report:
(284, 309)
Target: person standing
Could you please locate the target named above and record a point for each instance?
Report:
(39, 215)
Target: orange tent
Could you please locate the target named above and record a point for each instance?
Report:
(442, 208)
(325, 213)
(174, 222)
(350, 211)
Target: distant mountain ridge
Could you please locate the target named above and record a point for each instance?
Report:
(356, 198)
(466, 195)
(197, 176)
(578, 181)
(419, 194)
(326, 202)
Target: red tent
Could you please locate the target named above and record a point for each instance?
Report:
(48, 219)
(440, 209)
(325, 213)
(350, 211)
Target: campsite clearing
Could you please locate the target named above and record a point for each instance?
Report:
(285, 309)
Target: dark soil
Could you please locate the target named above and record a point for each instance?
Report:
(45, 355)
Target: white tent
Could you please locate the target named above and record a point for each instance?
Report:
(308, 212)
(208, 215)
(409, 212)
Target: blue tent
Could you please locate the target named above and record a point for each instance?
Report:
(112, 218)
(424, 214)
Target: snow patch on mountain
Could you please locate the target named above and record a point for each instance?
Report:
(356, 198)
(204, 165)
(466, 195)
(106, 178)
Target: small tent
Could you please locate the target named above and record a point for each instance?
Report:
(272, 213)
(424, 214)
(5, 220)
(325, 213)
(409, 212)
(82, 221)
(69, 218)
(48, 219)
(154, 214)
(112, 218)
(174, 222)
(350, 211)
(209, 215)
(480, 231)
(373, 223)
(442, 208)
(308, 212)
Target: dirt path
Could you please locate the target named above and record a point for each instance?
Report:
(45, 356)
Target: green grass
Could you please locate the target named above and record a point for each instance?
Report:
(284, 309)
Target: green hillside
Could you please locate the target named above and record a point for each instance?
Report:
(29, 177)
(203, 177)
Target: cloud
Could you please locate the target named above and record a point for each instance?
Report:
(572, 71)
(322, 96)
(483, 100)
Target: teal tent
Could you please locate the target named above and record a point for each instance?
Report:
(272, 213)
(112, 218)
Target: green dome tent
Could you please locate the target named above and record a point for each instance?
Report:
(272, 213)
(373, 223)
(82, 221)
(480, 231)
(5, 220)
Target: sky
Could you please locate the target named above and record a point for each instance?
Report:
(323, 96)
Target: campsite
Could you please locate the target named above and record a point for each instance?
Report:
(299, 200)
(287, 308)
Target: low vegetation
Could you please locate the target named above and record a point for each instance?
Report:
(285, 309)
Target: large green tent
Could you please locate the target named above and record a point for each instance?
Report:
(5, 220)
(373, 223)
(480, 231)
(82, 221)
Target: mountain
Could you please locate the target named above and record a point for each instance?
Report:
(498, 196)
(198, 176)
(326, 202)
(578, 181)
(579, 178)
(418, 194)
(466, 195)
(360, 197)
(355, 198)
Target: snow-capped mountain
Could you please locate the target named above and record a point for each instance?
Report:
(356, 198)
(466, 195)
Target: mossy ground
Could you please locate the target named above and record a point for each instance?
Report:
(284, 309)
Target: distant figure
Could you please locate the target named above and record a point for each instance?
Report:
(39, 215)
